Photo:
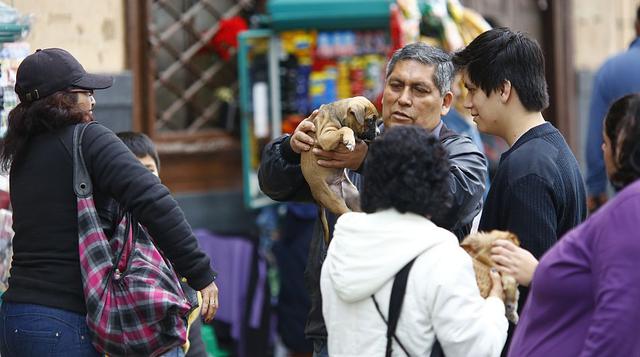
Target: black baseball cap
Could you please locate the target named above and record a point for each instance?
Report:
(49, 70)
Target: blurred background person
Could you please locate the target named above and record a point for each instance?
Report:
(144, 149)
(618, 76)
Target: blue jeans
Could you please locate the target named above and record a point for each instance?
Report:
(320, 348)
(176, 352)
(35, 330)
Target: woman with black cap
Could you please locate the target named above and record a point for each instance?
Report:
(43, 310)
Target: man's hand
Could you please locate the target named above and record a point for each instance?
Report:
(300, 140)
(209, 301)
(496, 285)
(341, 157)
(513, 260)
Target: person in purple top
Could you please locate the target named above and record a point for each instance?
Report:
(585, 290)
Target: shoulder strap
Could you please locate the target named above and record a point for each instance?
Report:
(81, 179)
(436, 350)
(395, 307)
(395, 302)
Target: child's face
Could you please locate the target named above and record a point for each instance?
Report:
(149, 163)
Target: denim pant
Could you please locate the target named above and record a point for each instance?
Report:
(35, 330)
(176, 352)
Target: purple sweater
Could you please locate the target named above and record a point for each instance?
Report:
(585, 293)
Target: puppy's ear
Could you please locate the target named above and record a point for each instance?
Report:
(470, 246)
(514, 238)
(357, 111)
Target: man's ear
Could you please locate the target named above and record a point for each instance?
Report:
(447, 100)
(357, 110)
(505, 91)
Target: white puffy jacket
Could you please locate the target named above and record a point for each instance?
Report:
(441, 298)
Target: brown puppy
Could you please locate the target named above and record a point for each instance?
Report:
(337, 123)
(478, 245)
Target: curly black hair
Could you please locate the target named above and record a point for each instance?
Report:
(622, 127)
(29, 119)
(406, 169)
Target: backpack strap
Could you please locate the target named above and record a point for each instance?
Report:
(395, 308)
(395, 302)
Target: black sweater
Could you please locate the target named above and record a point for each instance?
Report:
(538, 192)
(45, 268)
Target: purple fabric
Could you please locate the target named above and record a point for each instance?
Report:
(258, 298)
(585, 292)
(233, 258)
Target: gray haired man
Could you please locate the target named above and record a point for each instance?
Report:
(417, 92)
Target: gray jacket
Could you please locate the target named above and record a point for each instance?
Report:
(281, 178)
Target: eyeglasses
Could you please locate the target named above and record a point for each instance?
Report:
(88, 92)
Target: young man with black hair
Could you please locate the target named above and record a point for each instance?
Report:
(538, 192)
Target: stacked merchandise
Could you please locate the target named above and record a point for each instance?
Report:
(320, 67)
(442, 23)
(11, 54)
(6, 233)
(13, 27)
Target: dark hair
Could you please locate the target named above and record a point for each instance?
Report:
(406, 169)
(622, 127)
(429, 55)
(499, 55)
(140, 144)
(29, 119)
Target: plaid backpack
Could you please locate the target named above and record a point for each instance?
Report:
(135, 305)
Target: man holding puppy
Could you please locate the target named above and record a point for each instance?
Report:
(417, 92)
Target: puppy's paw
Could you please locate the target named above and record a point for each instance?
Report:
(512, 313)
(349, 143)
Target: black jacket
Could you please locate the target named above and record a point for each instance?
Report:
(281, 178)
(45, 268)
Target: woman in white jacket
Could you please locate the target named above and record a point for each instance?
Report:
(405, 183)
